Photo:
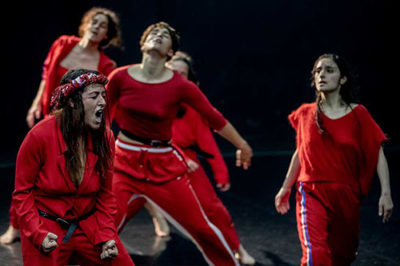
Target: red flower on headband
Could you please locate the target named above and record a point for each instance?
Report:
(62, 93)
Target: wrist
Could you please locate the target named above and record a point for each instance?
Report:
(242, 144)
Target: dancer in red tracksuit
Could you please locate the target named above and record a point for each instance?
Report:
(338, 151)
(144, 100)
(191, 133)
(99, 28)
(63, 180)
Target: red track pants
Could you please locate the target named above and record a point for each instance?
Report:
(328, 222)
(174, 198)
(213, 207)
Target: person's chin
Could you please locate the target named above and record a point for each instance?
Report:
(94, 126)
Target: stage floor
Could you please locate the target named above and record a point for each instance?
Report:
(269, 237)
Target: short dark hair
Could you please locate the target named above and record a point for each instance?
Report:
(175, 37)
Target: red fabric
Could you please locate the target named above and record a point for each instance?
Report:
(13, 216)
(154, 167)
(177, 201)
(328, 222)
(148, 110)
(53, 72)
(346, 153)
(192, 130)
(78, 251)
(42, 182)
(213, 207)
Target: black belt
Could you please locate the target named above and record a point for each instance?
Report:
(69, 224)
(151, 142)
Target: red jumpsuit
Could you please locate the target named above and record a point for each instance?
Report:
(42, 182)
(191, 133)
(52, 74)
(158, 174)
(336, 170)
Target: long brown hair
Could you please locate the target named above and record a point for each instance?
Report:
(71, 118)
(346, 89)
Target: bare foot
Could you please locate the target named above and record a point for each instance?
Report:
(11, 235)
(160, 226)
(244, 257)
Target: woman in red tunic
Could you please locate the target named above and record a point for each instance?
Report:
(338, 151)
(63, 179)
(144, 99)
(99, 29)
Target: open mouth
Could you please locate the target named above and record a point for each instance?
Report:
(99, 115)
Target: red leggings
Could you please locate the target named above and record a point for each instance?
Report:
(213, 207)
(174, 198)
(328, 222)
(13, 216)
(78, 248)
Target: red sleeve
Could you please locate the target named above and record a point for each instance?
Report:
(106, 205)
(193, 96)
(50, 55)
(206, 142)
(294, 118)
(29, 160)
(372, 138)
(106, 65)
(113, 93)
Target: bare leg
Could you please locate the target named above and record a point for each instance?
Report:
(161, 227)
(9, 236)
(244, 257)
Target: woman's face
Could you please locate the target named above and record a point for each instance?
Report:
(97, 29)
(180, 67)
(94, 102)
(158, 40)
(327, 76)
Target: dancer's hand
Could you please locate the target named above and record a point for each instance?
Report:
(243, 156)
(109, 250)
(49, 242)
(282, 204)
(33, 113)
(192, 166)
(385, 207)
(224, 187)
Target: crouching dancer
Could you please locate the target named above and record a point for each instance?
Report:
(63, 180)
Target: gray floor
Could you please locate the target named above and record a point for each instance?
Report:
(268, 236)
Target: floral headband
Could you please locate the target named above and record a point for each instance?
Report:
(62, 93)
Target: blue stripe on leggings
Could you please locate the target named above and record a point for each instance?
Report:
(304, 225)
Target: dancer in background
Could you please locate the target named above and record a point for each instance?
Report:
(99, 28)
(144, 99)
(339, 148)
(63, 178)
(191, 133)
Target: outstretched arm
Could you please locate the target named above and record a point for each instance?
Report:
(282, 198)
(385, 200)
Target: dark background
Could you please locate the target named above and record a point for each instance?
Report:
(253, 58)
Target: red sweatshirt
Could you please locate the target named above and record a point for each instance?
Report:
(42, 182)
(191, 132)
(346, 153)
(148, 110)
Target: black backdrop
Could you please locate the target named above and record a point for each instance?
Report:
(253, 58)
